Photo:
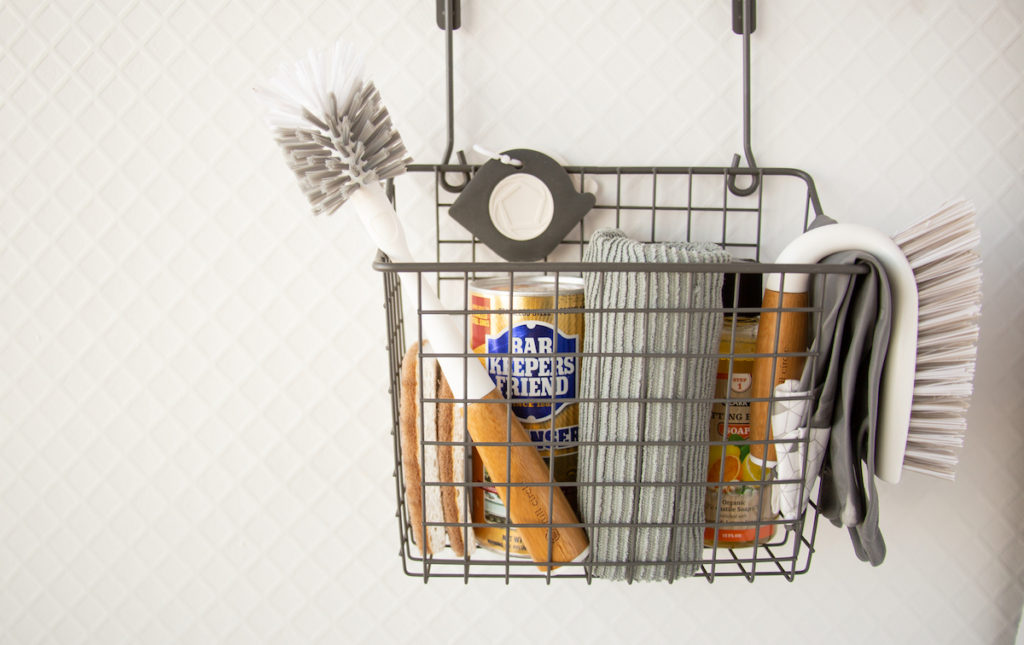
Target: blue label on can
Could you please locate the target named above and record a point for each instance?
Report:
(547, 373)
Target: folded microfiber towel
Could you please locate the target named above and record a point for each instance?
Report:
(845, 379)
(647, 378)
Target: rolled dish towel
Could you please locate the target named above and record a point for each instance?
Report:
(647, 378)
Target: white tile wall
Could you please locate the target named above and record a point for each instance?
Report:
(193, 418)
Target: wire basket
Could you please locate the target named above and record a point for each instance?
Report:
(649, 204)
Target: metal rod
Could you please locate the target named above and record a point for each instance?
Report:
(747, 151)
(450, 97)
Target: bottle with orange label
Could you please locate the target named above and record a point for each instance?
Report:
(738, 500)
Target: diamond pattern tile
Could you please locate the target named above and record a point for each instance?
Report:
(193, 422)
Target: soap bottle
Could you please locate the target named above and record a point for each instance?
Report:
(738, 497)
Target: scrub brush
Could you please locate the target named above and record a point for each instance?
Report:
(935, 272)
(339, 140)
(942, 251)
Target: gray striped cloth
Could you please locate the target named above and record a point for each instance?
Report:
(653, 397)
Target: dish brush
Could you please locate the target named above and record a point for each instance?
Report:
(338, 138)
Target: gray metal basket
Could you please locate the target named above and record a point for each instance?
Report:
(667, 213)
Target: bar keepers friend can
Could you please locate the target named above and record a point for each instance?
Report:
(532, 355)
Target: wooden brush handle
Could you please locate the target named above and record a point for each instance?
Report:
(792, 337)
(536, 503)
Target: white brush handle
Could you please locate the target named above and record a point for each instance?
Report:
(467, 377)
(897, 390)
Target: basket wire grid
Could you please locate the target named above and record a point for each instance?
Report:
(659, 213)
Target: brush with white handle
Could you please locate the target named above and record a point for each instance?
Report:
(927, 381)
(338, 138)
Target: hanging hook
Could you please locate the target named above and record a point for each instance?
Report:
(452, 18)
(743, 22)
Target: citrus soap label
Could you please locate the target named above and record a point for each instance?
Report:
(737, 494)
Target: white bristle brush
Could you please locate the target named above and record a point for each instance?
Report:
(935, 274)
(942, 251)
(338, 138)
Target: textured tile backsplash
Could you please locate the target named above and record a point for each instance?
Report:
(193, 416)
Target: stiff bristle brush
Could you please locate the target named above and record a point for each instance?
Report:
(338, 138)
(935, 273)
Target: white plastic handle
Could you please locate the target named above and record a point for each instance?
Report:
(466, 376)
(897, 391)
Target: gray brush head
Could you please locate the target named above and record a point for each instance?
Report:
(334, 129)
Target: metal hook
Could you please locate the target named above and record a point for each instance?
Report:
(452, 18)
(747, 22)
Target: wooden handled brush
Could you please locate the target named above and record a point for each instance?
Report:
(338, 138)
